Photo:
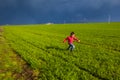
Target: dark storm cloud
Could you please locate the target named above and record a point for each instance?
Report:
(42, 11)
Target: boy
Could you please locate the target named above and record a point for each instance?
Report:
(70, 40)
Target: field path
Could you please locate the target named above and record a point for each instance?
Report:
(12, 66)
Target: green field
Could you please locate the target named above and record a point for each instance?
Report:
(97, 57)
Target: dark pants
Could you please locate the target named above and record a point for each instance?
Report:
(71, 47)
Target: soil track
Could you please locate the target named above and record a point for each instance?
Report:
(25, 73)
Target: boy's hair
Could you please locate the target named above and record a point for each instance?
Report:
(72, 33)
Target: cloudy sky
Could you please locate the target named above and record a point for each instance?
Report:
(58, 11)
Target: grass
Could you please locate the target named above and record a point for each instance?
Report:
(96, 57)
(8, 61)
(12, 67)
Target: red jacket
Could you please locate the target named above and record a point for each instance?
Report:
(70, 39)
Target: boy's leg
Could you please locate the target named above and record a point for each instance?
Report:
(69, 47)
(72, 47)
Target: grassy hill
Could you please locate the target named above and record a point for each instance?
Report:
(41, 46)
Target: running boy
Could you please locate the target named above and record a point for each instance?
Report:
(70, 40)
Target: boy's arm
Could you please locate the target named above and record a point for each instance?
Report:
(75, 38)
(65, 40)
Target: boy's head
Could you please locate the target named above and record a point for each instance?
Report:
(72, 34)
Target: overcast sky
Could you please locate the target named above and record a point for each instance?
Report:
(58, 11)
